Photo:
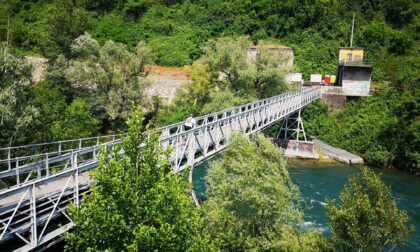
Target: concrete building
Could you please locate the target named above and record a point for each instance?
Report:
(286, 51)
(354, 73)
(353, 78)
(350, 54)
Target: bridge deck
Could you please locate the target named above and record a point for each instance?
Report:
(43, 189)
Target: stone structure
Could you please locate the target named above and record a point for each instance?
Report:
(286, 51)
(164, 85)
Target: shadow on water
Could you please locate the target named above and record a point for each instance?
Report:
(318, 182)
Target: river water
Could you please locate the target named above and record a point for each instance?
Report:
(318, 182)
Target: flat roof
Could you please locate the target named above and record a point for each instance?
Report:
(355, 64)
(271, 47)
(352, 48)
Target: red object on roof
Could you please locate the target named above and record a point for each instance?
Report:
(327, 79)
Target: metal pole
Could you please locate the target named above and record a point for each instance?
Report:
(17, 172)
(34, 235)
(47, 166)
(9, 161)
(352, 30)
(76, 182)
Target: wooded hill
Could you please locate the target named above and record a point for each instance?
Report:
(383, 128)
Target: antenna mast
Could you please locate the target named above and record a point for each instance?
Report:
(352, 30)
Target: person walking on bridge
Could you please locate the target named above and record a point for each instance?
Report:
(189, 123)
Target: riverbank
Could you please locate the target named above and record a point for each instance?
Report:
(338, 154)
(328, 154)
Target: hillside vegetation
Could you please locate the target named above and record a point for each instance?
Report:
(383, 128)
(176, 30)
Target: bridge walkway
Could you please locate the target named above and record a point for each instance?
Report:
(39, 192)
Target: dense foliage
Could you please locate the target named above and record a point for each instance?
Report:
(252, 204)
(316, 28)
(368, 218)
(225, 77)
(15, 83)
(137, 203)
(85, 95)
(177, 32)
(383, 128)
(110, 74)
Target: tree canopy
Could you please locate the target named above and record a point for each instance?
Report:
(252, 203)
(15, 83)
(138, 202)
(368, 218)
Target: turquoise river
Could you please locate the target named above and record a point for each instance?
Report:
(318, 182)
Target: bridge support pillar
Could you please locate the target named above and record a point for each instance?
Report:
(292, 128)
(291, 138)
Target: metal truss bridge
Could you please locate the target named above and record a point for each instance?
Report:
(38, 181)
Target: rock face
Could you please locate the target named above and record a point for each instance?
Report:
(165, 82)
(39, 66)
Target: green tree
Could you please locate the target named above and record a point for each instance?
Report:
(139, 203)
(261, 77)
(252, 204)
(196, 91)
(48, 99)
(15, 112)
(76, 122)
(111, 74)
(313, 114)
(368, 218)
(66, 21)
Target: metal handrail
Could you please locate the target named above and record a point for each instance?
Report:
(42, 199)
(39, 166)
(178, 126)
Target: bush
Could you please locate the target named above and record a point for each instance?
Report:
(252, 203)
(77, 122)
(368, 218)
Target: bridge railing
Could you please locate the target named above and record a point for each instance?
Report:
(32, 152)
(59, 147)
(28, 168)
(34, 211)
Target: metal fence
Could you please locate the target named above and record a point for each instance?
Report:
(33, 206)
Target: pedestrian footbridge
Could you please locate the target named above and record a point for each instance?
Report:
(38, 181)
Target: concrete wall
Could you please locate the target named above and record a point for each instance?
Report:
(356, 81)
(164, 86)
(347, 54)
(287, 53)
(335, 101)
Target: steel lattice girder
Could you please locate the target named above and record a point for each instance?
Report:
(46, 196)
